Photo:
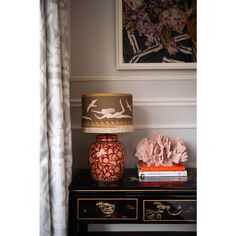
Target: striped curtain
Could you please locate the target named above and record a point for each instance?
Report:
(55, 130)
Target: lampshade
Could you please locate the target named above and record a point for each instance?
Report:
(107, 113)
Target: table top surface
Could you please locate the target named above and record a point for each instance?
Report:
(130, 182)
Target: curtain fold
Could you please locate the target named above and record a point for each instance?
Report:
(55, 130)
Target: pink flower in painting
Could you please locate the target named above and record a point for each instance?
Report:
(174, 18)
(171, 47)
(161, 151)
(153, 23)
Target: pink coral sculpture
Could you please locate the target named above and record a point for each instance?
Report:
(161, 151)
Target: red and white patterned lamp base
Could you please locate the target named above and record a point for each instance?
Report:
(107, 158)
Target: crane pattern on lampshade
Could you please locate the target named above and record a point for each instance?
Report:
(107, 112)
(93, 112)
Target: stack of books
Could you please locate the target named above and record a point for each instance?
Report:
(162, 173)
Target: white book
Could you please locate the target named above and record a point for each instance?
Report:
(162, 173)
(163, 178)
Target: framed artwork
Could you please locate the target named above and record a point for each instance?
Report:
(156, 34)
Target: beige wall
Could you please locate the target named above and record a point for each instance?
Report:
(164, 100)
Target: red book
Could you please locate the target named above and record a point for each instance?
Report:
(143, 167)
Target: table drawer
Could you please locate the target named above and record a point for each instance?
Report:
(169, 210)
(107, 209)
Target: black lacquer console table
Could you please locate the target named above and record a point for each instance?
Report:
(131, 201)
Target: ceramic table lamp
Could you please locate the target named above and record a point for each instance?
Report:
(107, 114)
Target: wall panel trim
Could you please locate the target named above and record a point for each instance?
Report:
(151, 102)
(154, 126)
(129, 78)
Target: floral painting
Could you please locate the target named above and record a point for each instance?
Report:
(159, 31)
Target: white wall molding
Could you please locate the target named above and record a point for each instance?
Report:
(151, 102)
(154, 126)
(74, 79)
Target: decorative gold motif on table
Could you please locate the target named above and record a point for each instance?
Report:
(106, 208)
(132, 178)
(130, 207)
(160, 209)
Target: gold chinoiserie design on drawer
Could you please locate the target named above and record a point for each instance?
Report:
(107, 208)
(169, 210)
